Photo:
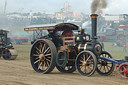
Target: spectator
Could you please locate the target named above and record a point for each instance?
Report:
(124, 47)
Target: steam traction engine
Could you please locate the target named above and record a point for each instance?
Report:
(6, 47)
(67, 51)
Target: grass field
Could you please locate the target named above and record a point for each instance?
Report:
(115, 51)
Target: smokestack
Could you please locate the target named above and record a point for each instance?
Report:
(94, 26)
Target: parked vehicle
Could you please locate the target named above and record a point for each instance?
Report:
(6, 48)
(115, 34)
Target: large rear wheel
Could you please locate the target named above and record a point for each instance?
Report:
(43, 56)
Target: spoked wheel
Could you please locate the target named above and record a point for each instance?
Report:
(43, 56)
(123, 70)
(86, 63)
(105, 67)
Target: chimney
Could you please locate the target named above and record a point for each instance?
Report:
(94, 26)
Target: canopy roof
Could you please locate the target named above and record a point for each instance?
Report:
(56, 27)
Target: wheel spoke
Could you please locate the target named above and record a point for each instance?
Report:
(40, 46)
(48, 59)
(87, 58)
(89, 68)
(101, 67)
(107, 68)
(85, 69)
(38, 58)
(43, 48)
(39, 66)
(103, 55)
(124, 68)
(38, 49)
(36, 61)
(82, 58)
(35, 55)
(121, 71)
(81, 61)
(109, 63)
(44, 65)
(48, 54)
(90, 63)
(81, 66)
(37, 52)
(47, 64)
(104, 69)
(46, 50)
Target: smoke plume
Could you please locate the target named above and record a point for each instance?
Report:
(98, 4)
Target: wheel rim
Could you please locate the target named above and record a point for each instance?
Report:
(41, 56)
(86, 64)
(123, 70)
(105, 67)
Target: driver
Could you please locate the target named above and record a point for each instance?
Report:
(67, 33)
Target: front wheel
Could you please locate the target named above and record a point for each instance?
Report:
(86, 63)
(105, 67)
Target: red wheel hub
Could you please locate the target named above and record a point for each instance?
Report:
(123, 70)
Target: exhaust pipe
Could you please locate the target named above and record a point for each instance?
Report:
(94, 26)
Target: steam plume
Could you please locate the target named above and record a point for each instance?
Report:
(98, 4)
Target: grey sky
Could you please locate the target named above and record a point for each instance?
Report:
(51, 6)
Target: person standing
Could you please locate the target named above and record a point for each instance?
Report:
(124, 47)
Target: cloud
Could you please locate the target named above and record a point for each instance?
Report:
(47, 5)
(51, 6)
(117, 7)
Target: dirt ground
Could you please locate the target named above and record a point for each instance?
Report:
(20, 72)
